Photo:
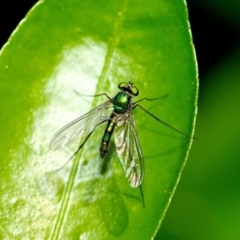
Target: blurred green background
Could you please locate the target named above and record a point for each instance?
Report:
(206, 204)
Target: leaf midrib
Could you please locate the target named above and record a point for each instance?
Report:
(101, 83)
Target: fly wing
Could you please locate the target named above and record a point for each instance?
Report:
(129, 149)
(80, 127)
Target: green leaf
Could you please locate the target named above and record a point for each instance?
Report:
(67, 48)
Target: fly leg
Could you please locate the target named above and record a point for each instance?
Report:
(150, 99)
(96, 95)
(159, 120)
(141, 190)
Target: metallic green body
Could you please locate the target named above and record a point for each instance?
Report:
(121, 102)
(120, 105)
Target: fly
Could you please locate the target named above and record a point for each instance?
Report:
(121, 122)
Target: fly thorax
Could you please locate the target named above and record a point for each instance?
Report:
(121, 102)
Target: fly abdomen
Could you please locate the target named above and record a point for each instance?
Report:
(103, 149)
(107, 135)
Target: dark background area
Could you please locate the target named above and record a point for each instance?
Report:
(214, 37)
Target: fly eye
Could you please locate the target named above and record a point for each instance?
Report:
(134, 91)
(122, 85)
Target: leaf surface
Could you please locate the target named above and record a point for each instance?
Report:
(62, 50)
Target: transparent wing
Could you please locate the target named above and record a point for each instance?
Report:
(129, 149)
(80, 127)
